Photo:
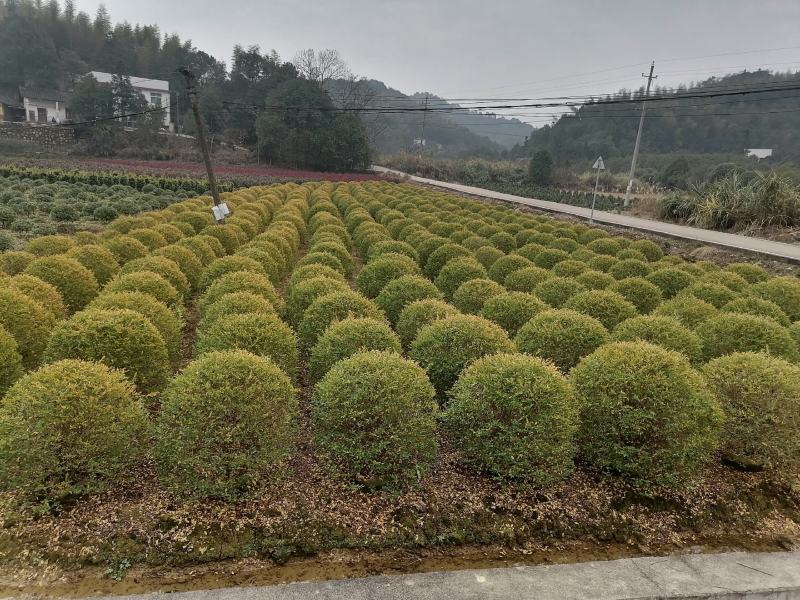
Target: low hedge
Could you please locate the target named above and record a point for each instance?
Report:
(400, 292)
(760, 395)
(69, 429)
(225, 425)
(727, 333)
(514, 416)
(562, 337)
(120, 338)
(659, 422)
(374, 417)
(347, 337)
(446, 346)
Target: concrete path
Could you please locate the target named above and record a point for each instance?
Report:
(779, 250)
(773, 576)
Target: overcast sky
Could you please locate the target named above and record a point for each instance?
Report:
(501, 48)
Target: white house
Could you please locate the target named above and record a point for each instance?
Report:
(44, 105)
(155, 91)
(758, 153)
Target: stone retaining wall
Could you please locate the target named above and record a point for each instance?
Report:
(46, 136)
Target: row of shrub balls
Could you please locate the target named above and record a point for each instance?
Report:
(530, 342)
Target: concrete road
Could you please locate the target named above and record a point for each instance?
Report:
(779, 250)
(774, 576)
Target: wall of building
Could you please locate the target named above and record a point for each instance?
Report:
(55, 109)
(47, 136)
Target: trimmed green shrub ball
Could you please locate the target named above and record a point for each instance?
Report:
(374, 417)
(760, 395)
(688, 310)
(441, 256)
(665, 332)
(753, 305)
(550, 257)
(160, 265)
(511, 310)
(420, 313)
(714, 293)
(235, 303)
(783, 291)
(262, 334)
(658, 421)
(562, 336)
(605, 245)
(727, 333)
(42, 292)
(732, 281)
(120, 338)
(602, 262)
(752, 273)
(348, 337)
(629, 268)
(230, 264)
(158, 313)
(146, 282)
(10, 360)
(240, 281)
(188, 263)
(226, 424)
(392, 246)
(69, 429)
(151, 239)
(50, 245)
(645, 296)
(670, 280)
(610, 308)
(569, 268)
(457, 272)
(323, 258)
(98, 259)
(199, 248)
(13, 262)
(311, 272)
(446, 346)
(75, 282)
(305, 292)
(125, 248)
(558, 290)
(526, 279)
(400, 292)
(651, 250)
(595, 280)
(503, 241)
(487, 256)
(514, 416)
(470, 297)
(530, 251)
(505, 265)
(333, 307)
(28, 322)
(377, 273)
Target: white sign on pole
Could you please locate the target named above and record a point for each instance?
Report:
(599, 164)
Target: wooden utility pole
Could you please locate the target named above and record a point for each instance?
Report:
(201, 133)
(650, 78)
(422, 133)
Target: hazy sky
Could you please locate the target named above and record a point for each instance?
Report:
(511, 48)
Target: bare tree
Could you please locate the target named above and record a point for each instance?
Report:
(321, 65)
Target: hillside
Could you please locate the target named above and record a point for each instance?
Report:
(719, 125)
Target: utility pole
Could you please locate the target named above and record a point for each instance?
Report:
(201, 138)
(422, 135)
(650, 78)
(600, 166)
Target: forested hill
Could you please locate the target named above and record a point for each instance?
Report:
(723, 124)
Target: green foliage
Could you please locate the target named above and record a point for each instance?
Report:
(348, 337)
(736, 332)
(50, 245)
(756, 306)
(666, 332)
(688, 310)
(505, 265)
(14, 262)
(670, 280)
(562, 337)
(125, 248)
(10, 361)
(418, 314)
(511, 310)
(240, 281)
(527, 278)
(42, 292)
(235, 303)
(229, 264)
(333, 307)
(262, 334)
(160, 265)
(28, 322)
(120, 338)
(68, 429)
(456, 272)
(514, 416)
(595, 280)
(439, 257)
(400, 292)
(651, 250)
(645, 296)
(377, 273)
(226, 423)
(760, 395)
(471, 296)
(714, 293)
(374, 419)
(146, 282)
(75, 282)
(98, 259)
(540, 168)
(446, 346)
(629, 268)
(556, 291)
(752, 273)
(659, 422)
(783, 291)
(610, 308)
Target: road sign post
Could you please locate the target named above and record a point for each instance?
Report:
(600, 166)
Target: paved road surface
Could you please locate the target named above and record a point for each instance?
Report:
(774, 576)
(779, 250)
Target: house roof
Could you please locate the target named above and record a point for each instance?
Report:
(44, 94)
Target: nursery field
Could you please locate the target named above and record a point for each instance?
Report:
(377, 366)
